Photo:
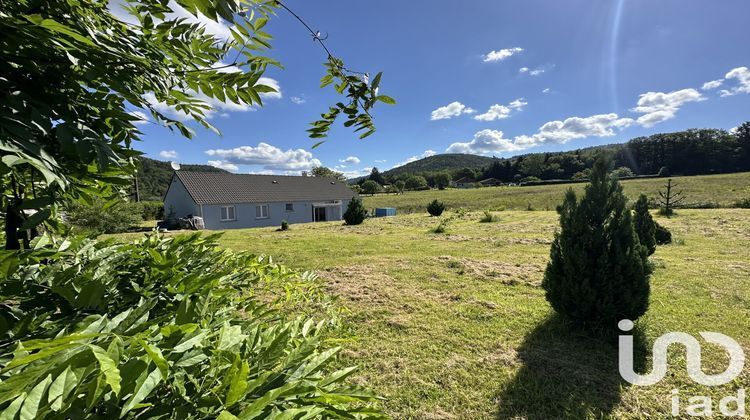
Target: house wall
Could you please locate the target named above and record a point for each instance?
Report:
(245, 215)
(179, 200)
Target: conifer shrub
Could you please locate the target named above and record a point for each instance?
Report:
(488, 217)
(598, 272)
(662, 235)
(284, 225)
(644, 224)
(435, 208)
(355, 212)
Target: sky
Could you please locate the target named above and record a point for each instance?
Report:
(496, 78)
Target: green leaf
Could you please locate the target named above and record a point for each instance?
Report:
(143, 388)
(31, 404)
(386, 100)
(108, 368)
(238, 386)
(61, 387)
(155, 354)
(10, 411)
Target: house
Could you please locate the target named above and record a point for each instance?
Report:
(491, 182)
(233, 201)
(464, 182)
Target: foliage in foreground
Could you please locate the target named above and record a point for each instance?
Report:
(170, 328)
(435, 208)
(355, 212)
(598, 272)
(644, 224)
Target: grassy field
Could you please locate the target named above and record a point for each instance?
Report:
(455, 325)
(699, 191)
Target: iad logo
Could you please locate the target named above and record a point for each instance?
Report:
(701, 406)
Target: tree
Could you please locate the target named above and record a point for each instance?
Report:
(465, 173)
(442, 180)
(355, 212)
(669, 199)
(370, 187)
(644, 224)
(76, 79)
(598, 272)
(623, 172)
(376, 176)
(323, 172)
(415, 182)
(400, 185)
(435, 208)
(663, 172)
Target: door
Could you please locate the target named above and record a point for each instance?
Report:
(319, 214)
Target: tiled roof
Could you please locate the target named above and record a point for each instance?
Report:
(227, 188)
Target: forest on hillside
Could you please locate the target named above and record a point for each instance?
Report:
(689, 152)
(154, 177)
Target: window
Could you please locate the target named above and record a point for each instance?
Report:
(227, 214)
(289, 207)
(261, 211)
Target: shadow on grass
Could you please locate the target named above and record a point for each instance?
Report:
(566, 374)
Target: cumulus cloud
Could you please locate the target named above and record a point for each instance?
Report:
(494, 142)
(499, 112)
(742, 76)
(713, 84)
(267, 156)
(485, 142)
(351, 160)
(168, 154)
(427, 153)
(223, 165)
(454, 109)
(501, 55)
(297, 100)
(658, 107)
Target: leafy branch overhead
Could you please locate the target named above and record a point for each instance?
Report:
(75, 80)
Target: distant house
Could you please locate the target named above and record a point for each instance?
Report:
(233, 201)
(491, 182)
(464, 182)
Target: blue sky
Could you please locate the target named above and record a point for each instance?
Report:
(488, 77)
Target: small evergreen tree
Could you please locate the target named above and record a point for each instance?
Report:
(355, 212)
(435, 208)
(645, 226)
(598, 272)
(662, 235)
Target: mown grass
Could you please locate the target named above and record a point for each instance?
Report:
(455, 325)
(700, 191)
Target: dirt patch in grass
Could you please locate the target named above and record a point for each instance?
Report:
(506, 273)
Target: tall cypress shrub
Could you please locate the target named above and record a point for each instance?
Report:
(598, 272)
(645, 226)
(355, 212)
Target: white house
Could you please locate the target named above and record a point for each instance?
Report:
(234, 201)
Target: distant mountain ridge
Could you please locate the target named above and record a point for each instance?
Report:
(442, 162)
(154, 177)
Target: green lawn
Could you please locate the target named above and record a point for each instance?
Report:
(699, 191)
(456, 325)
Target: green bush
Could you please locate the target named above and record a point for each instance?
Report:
(153, 210)
(441, 227)
(598, 272)
(103, 217)
(163, 328)
(644, 224)
(488, 217)
(662, 235)
(284, 225)
(435, 208)
(355, 212)
(743, 204)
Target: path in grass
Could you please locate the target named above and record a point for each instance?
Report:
(456, 325)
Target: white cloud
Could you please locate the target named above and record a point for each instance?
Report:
(454, 109)
(485, 142)
(499, 112)
(742, 75)
(602, 125)
(351, 160)
(713, 84)
(532, 72)
(219, 30)
(523, 70)
(427, 153)
(501, 55)
(658, 107)
(268, 156)
(142, 117)
(297, 100)
(168, 154)
(223, 165)
(381, 161)
(546, 90)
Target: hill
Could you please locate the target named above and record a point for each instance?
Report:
(154, 177)
(444, 162)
